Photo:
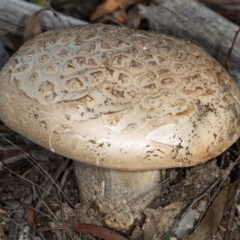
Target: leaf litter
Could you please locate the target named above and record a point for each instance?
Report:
(193, 194)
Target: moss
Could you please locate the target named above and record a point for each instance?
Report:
(42, 3)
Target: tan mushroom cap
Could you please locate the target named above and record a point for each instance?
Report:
(119, 98)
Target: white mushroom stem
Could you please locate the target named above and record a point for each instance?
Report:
(121, 195)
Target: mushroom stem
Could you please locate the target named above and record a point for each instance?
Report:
(121, 195)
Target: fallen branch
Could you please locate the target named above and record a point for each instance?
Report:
(195, 22)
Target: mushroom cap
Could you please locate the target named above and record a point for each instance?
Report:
(119, 98)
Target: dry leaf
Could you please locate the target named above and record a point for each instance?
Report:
(29, 216)
(137, 233)
(210, 223)
(134, 18)
(159, 220)
(109, 6)
(32, 27)
(8, 213)
(98, 231)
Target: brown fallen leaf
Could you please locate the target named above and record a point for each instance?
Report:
(94, 230)
(29, 216)
(210, 223)
(134, 18)
(120, 16)
(32, 27)
(98, 231)
(109, 6)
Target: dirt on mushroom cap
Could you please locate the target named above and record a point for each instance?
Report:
(119, 98)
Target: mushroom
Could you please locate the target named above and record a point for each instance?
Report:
(123, 104)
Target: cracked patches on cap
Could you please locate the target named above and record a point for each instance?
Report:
(164, 91)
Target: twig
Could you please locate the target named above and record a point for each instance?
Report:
(51, 183)
(232, 213)
(33, 162)
(230, 51)
(55, 13)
